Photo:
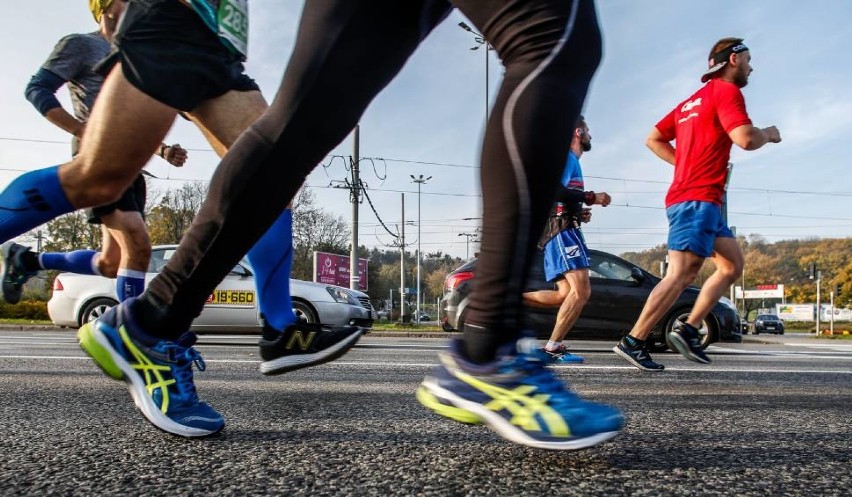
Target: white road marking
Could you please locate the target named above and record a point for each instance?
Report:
(388, 364)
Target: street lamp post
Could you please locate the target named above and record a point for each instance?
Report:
(420, 180)
(480, 42)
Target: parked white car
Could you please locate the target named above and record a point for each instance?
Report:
(79, 298)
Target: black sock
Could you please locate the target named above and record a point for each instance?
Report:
(633, 342)
(149, 314)
(30, 262)
(481, 344)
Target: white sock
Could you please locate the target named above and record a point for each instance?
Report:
(551, 345)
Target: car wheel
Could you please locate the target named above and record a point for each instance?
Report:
(95, 309)
(657, 343)
(305, 312)
(707, 329)
(756, 331)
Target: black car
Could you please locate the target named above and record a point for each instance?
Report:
(768, 323)
(619, 291)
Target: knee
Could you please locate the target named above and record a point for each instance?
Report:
(581, 294)
(85, 186)
(733, 271)
(107, 266)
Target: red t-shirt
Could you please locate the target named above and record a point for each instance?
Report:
(700, 126)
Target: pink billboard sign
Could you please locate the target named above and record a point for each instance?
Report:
(334, 269)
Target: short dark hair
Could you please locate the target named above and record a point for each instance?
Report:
(581, 122)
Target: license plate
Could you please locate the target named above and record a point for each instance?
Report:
(243, 298)
(770, 327)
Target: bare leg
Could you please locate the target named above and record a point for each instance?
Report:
(577, 291)
(683, 267)
(729, 266)
(125, 129)
(546, 298)
(131, 235)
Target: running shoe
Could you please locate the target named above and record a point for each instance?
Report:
(159, 376)
(518, 397)
(686, 339)
(637, 356)
(561, 355)
(302, 345)
(14, 274)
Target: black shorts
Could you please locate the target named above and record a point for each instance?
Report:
(132, 200)
(168, 53)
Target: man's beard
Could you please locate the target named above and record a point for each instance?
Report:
(586, 145)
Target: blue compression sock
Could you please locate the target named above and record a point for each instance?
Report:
(31, 200)
(272, 258)
(129, 283)
(78, 261)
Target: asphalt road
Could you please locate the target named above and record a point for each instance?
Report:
(763, 419)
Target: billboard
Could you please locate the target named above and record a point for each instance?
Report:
(761, 292)
(334, 269)
(795, 312)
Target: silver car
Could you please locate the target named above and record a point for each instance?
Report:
(79, 298)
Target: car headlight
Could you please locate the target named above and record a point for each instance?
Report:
(341, 295)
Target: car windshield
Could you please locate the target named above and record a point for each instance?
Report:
(609, 269)
(160, 257)
(767, 317)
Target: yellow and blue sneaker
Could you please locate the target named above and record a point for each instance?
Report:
(517, 397)
(158, 372)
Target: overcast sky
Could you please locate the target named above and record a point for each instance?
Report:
(429, 120)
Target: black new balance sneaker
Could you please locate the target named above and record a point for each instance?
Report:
(686, 339)
(302, 345)
(638, 356)
(13, 271)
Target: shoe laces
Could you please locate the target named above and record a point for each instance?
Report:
(185, 357)
(545, 381)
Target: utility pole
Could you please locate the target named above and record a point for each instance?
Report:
(468, 235)
(819, 307)
(420, 180)
(831, 327)
(480, 42)
(402, 261)
(734, 231)
(356, 197)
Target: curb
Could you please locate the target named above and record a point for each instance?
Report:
(22, 327)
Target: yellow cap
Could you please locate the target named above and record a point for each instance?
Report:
(97, 7)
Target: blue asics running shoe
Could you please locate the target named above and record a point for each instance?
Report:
(562, 356)
(519, 398)
(159, 376)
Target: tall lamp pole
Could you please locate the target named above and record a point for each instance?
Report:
(480, 41)
(420, 180)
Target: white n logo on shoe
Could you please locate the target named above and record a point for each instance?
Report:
(522, 405)
(304, 340)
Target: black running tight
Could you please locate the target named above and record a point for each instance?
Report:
(347, 51)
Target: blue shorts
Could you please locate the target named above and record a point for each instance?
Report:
(565, 252)
(694, 227)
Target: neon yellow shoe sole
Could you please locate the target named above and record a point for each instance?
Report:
(87, 336)
(430, 401)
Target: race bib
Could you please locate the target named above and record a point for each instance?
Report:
(234, 24)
